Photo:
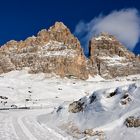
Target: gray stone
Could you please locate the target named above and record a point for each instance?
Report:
(76, 107)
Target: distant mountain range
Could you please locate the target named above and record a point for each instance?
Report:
(57, 51)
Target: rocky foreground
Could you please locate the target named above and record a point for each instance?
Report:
(57, 51)
(106, 114)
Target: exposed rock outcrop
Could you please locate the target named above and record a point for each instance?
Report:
(91, 132)
(53, 51)
(76, 107)
(5, 63)
(58, 51)
(132, 121)
(111, 57)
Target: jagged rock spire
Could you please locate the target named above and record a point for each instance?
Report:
(55, 50)
(58, 51)
(111, 57)
(58, 27)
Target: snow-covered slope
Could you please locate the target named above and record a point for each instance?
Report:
(100, 115)
(38, 89)
(44, 95)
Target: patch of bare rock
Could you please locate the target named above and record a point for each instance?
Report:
(132, 121)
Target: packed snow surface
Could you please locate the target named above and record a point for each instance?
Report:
(44, 95)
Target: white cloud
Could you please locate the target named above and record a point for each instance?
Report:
(124, 24)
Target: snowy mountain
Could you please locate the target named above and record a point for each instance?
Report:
(50, 90)
(58, 51)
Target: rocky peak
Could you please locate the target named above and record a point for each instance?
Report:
(111, 57)
(58, 51)
(106, 44)
(55, 50)
(104, 36)
(58, 27)
(59, 32)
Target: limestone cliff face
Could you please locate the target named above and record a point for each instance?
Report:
(58, 51)
(52, 51)
(111, 57)
(5, 63)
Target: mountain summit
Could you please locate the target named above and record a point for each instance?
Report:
(111, 57)
(52, 51)
(58, 51)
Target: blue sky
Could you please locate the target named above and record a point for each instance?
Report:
(20, 19)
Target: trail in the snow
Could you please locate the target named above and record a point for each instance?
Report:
(19, 131)
(25, 129)
(7, 131)
(39, 131)
(23, 125)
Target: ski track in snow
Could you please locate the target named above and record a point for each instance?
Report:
(23, 125)
(39, 130)
(6, 127)
(25, 129)
(18, 129)
(46, 93)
